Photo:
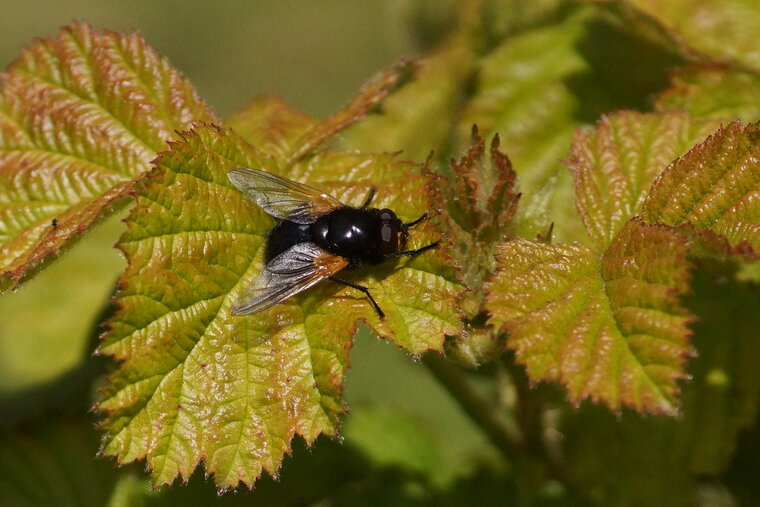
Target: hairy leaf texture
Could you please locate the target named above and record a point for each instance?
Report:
(81, 117)
(197, 383)
(480, 202)
(715, 188)
(609, 328)
(478, 206)
(615, 165)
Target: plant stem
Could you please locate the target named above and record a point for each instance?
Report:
(486, 416)
(482, 413)
(528, 414)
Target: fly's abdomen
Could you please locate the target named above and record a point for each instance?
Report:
(284, 235)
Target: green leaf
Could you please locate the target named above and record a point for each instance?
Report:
(713, 91)
(538, 86)
(610, 328)
(390, 437)
(521, 95)
(81, 117)
(718, 404)
(534, 88)
(198, 383)
(502, 20)
(272, 125)
(712, 30)
(615, 164)
(715, 188)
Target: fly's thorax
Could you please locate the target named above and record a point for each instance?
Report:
(360, 235)
(348, 232)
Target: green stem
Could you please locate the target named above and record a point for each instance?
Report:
(528, 414)
(486, 415)
(483, 414)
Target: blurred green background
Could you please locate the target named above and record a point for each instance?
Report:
(313, 54)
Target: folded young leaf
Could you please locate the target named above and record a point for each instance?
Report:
(715, 187)
(610, 328)
(370, 96)
(480, 202)
(615, 164)
(200, 384)
(272, 125)
(411, 118)
(81, 117)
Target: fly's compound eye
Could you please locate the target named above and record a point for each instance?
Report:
(388, 238)
(387, 215)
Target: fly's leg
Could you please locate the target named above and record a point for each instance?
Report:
(369, 198)
(365, 290)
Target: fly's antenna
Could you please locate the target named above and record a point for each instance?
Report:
(415, 222)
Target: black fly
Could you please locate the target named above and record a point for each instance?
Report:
(315, 237)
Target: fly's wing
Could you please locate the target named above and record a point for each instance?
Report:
(293, 271)
(283, 198)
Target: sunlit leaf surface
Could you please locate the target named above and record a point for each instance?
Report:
(81, 117)
(610, 328)
(615, 164)
(715, 187)
(198, 383)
